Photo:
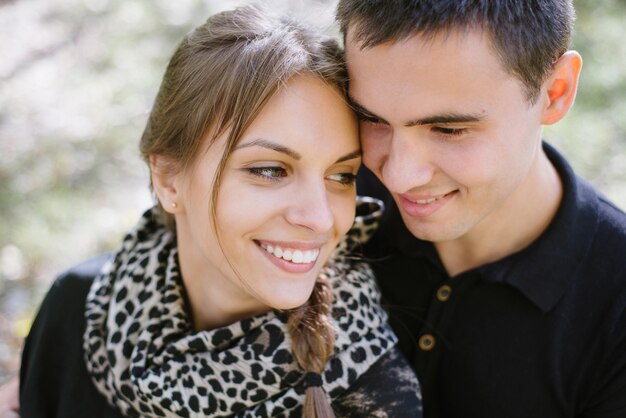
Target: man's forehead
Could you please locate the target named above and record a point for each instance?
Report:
(409, 80)
(464, 50)
(354, 39)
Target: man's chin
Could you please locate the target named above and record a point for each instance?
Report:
(436, 232)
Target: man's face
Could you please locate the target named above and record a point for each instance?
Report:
(448, 131)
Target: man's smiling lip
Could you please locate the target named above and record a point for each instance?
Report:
(422, 206)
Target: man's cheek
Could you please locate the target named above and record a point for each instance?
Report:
(375, 143)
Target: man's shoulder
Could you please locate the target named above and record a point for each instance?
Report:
(585, 211)
(610, 232)
(612, 219)
(599, 268)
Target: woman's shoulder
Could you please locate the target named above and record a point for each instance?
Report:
(78, 279)
(53, 378)
(64, 304)
(389, 388)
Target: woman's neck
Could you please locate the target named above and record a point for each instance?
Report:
(214, 301)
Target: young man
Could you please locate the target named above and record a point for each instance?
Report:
(503, 272)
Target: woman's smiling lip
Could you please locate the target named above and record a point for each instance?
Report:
(292, 257)
(296, 245)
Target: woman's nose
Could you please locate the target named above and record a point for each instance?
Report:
(311, 208)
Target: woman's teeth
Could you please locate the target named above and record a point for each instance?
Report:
(295, 256)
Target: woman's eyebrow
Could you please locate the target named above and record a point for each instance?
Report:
(264, 143)
(350, 156)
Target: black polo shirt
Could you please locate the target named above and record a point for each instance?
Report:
(540, 333)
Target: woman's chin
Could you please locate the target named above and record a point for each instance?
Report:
(289, 299)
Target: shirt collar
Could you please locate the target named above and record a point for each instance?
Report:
(543, 270)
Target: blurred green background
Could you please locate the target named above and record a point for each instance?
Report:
(77, 79)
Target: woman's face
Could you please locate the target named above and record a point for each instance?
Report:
(286, 199)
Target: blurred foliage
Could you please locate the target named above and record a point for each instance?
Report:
(77, 79)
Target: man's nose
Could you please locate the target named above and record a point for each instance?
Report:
(407, 164)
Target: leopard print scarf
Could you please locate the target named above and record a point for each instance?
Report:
(145, 357)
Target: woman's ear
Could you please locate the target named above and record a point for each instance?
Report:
(165, 182)
(561, 87)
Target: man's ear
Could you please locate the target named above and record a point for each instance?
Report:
(561, 87)
(165, 182)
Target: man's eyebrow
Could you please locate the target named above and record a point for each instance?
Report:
(358, 108)
(446, 118)
(350, 156)
(264, 143)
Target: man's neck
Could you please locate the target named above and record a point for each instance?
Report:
(512, 227)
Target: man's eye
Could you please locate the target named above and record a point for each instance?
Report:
(346, 179)
(369, 119)
(268, 173)
(447, 131)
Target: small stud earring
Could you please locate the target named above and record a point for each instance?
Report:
(174, 205)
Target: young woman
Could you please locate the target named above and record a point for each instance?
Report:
(230, 296)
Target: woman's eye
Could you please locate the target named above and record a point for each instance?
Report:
(346, 179)
(268, 173)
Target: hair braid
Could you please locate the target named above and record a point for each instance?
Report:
(313, 341)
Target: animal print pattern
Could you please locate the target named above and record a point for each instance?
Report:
(368, 213)
(146, 359)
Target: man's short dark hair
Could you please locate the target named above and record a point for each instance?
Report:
(527, 35)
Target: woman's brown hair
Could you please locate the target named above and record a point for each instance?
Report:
(218, 80)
